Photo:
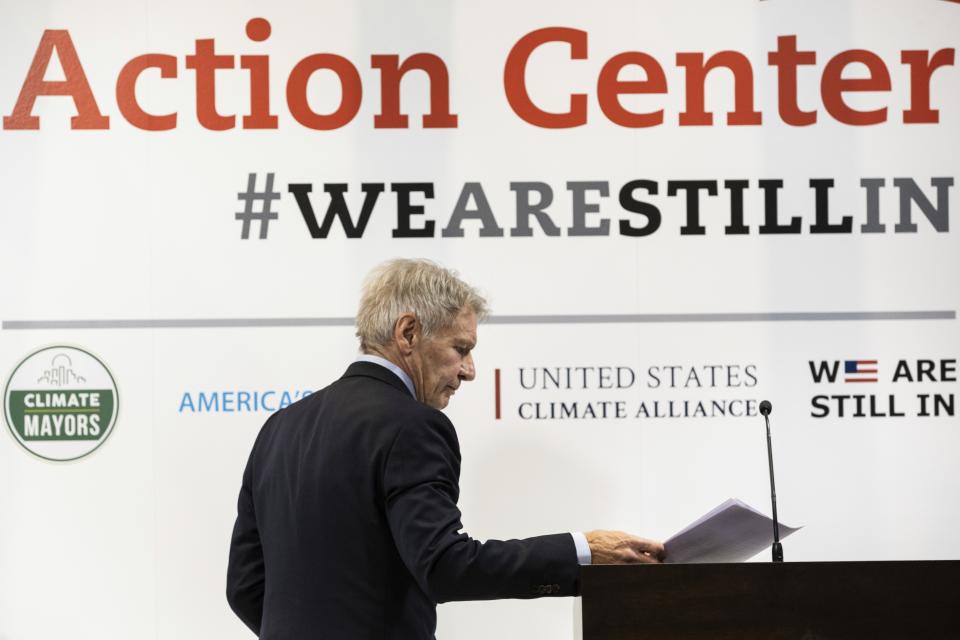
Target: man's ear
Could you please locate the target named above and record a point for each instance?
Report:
(406, 333)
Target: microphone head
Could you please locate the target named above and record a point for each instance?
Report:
(765, 407)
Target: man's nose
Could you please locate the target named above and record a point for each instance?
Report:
(467, 371)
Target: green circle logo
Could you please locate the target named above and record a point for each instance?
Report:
(61, 403)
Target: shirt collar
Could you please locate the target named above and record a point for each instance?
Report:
(397, 371)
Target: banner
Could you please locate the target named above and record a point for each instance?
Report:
(676, 210)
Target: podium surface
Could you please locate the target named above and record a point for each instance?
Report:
(790, 600)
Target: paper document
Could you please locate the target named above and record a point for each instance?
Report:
(732, 532)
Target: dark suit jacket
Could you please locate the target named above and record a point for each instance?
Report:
(348, 527)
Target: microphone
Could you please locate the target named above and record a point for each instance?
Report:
(765, 409)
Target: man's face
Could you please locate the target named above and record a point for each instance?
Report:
(444, 360)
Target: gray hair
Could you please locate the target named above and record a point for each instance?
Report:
(435, 295)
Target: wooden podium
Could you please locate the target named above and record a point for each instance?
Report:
(790, 600)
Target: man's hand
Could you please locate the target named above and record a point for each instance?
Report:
(617, 547)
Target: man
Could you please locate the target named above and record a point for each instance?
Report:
(347, 524)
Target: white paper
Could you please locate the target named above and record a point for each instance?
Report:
(732, 532)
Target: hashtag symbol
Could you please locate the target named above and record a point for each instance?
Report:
(249, 198)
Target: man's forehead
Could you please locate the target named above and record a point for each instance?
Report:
(463, 328)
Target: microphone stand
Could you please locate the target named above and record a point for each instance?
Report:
(777, 550)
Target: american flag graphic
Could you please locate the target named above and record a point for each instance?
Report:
(860, 370)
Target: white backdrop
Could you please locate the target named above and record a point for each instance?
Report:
(124, 243)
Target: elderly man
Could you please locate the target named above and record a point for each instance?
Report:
(347, 524)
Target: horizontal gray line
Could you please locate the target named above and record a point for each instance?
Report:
(184, 323)
(806, 316)
(624, 318)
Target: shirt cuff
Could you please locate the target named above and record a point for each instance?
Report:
(583, 548)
